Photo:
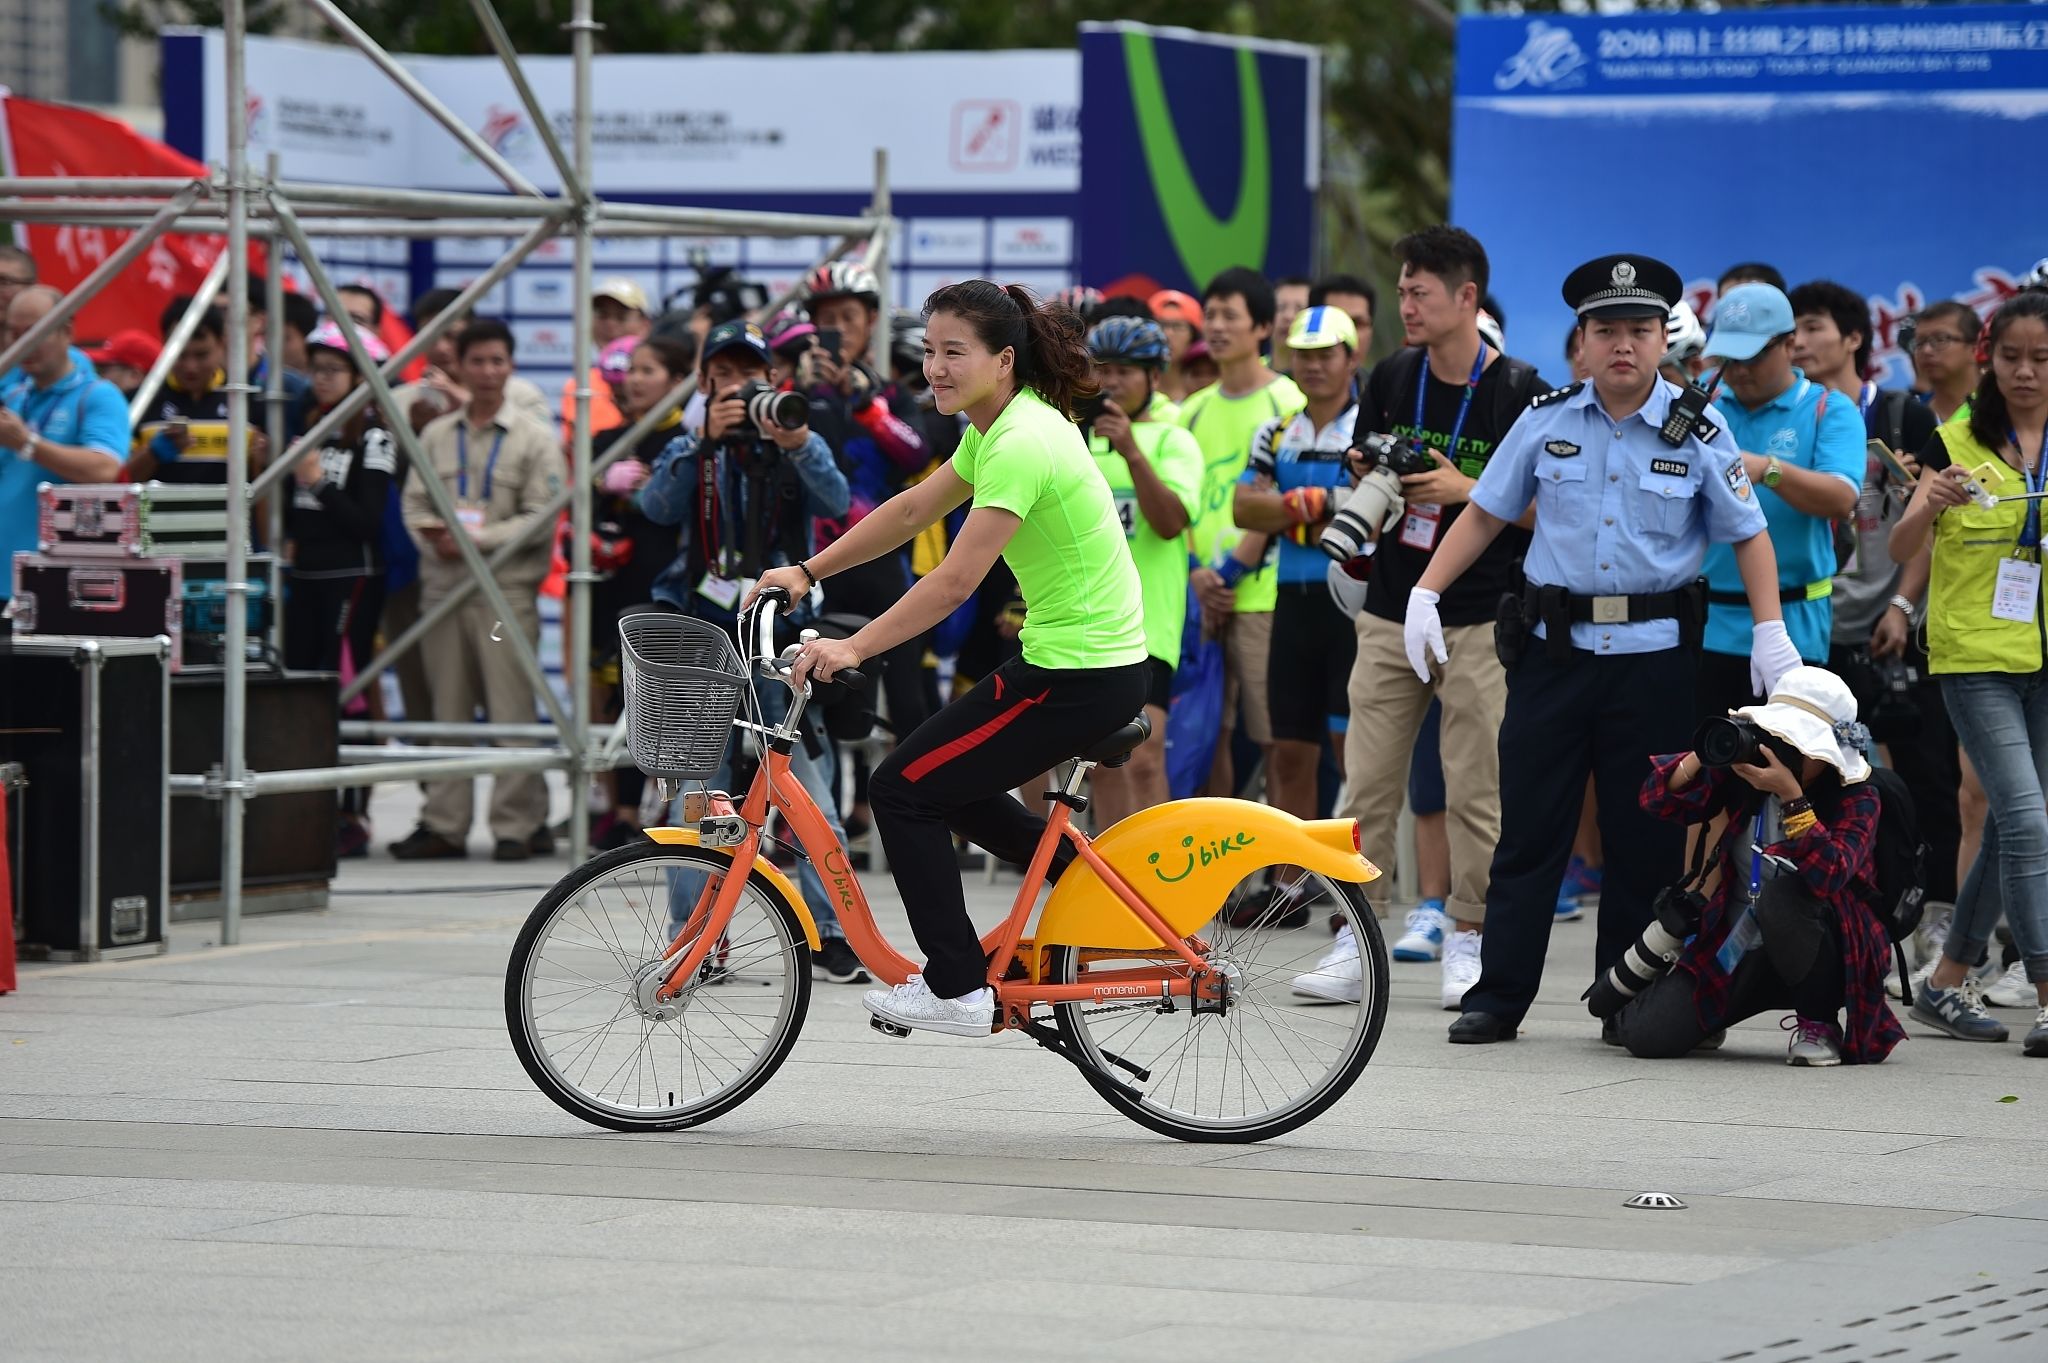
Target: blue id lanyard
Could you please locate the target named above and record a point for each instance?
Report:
(2037, 482)
(462, 462)
(1464, 403)
(1747, 932)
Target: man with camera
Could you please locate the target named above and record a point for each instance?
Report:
(1438, 410)
(1289, 490)
(743, 496)
(1631, 477)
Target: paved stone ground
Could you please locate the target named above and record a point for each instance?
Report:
(318, 1144)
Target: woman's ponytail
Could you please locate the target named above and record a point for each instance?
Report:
(1051, 343)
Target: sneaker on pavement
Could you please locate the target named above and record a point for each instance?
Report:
(423, 844)
(2036, 1043)
(1921, 973)
(1580, 881)
(512, 849)
(542, 843)
(1925, 943)
(1423, 937)
(1339, 977)
(1816, 1044)
(1568, 910)
(2012, 989)
(1958, 1011)
(912, 1004)
(1461, 968)
(836, 961)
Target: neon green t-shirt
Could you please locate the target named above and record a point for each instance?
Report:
(1223, 427)
(1081, 592)
(1162, 563)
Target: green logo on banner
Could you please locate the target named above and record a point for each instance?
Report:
(1207, 246)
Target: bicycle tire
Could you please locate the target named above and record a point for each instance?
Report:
(520, 977)
(1112, 1085)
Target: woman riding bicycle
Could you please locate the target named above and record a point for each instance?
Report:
(1039, 502)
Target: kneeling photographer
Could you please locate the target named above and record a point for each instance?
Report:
(742, 497)
(1789, 923)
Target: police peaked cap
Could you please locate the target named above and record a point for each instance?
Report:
(1623, 286)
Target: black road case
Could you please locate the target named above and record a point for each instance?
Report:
(89, 721)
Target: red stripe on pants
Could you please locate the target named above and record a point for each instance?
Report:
(967, 742)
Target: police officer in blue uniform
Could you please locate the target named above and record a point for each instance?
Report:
(1632, 477)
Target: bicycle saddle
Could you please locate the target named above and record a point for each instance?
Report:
(1116, 750)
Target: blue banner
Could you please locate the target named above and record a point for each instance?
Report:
(1201, 152)
(1894, 151)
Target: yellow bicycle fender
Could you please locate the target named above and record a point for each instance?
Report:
(687, 837)
(1183, 859)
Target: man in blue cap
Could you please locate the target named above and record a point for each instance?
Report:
(1803, 451)
(1631, 481)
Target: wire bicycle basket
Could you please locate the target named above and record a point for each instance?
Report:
(684, 684)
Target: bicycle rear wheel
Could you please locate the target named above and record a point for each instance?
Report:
(579, 992)
(1303, 1019)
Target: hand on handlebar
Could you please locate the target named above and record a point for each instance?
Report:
(790, 579)
(820, 659)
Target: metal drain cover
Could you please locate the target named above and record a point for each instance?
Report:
(1655, 1202)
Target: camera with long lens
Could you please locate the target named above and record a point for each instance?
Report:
(1731, 740)
(769, 409)
(1887, 694)
(1677, 913)
(1377, 502)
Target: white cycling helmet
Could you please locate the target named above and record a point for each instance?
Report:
(2037, 277)
(1490, 332)
(1684, 337)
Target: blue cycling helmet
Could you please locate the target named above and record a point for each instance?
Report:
(1128, 340)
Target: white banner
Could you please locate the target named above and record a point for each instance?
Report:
(972, 122)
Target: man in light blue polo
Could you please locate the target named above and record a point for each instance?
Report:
(1803, 451)
(58, 424)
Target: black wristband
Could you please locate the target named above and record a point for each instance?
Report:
(808, 574)
(1798, 805)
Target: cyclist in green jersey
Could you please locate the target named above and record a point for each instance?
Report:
(1154, 470)
(1038, 501)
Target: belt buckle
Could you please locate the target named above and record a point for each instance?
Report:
(1610, 610)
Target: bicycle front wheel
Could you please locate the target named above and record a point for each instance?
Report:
(579, 991)
(1303, 1019)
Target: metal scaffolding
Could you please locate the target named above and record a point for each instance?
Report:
(231, 200)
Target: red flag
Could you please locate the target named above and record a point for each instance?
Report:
(38, 139)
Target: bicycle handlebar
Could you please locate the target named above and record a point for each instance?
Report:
(758, 628)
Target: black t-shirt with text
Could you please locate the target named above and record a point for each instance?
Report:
(1505, 389)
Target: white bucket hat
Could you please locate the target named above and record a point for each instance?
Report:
(1813, 710)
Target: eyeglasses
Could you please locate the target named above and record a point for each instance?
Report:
(1937, 340)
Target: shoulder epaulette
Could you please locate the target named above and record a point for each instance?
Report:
(1557, 395)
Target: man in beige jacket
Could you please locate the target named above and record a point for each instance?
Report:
(502, 468)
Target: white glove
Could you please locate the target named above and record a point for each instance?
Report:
(1422, 631)
(1771, 656)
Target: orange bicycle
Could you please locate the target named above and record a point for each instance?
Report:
(1175, 963)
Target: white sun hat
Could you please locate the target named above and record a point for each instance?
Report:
(1812, 709)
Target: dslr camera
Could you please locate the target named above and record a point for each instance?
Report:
(1377, 502)
(1730, 740)
(768, 409)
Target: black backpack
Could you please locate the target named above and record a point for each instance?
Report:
(1899, 866)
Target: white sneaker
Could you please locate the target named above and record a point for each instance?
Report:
(1339, 977)
(1461, 968)
(2012, 989)
(912, 1004)
(1921, 974)
(1422, 938)
(1927, 939)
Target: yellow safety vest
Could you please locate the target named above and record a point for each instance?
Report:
(1970, 541)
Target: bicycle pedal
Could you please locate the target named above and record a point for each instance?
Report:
(887, 1028)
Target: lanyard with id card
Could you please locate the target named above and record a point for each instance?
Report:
(1423, 519)
(2017, 594)
(471, 517)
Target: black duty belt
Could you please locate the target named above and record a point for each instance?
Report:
(1618, 610)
